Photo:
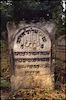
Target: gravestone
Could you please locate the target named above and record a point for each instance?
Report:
(60, 47)
(30, 53)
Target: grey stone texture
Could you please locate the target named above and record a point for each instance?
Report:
(30, 54)
(61, 47)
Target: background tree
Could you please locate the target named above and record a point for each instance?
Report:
(33, 10)
(6, 13)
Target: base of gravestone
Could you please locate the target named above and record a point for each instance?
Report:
(45, 82)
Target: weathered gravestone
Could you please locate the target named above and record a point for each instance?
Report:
(60, 47)
(30, 52)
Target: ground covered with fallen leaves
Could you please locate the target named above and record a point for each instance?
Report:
(30, 94)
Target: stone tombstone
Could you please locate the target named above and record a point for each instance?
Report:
(30, 53)
(60, 47)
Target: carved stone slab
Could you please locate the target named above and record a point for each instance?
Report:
(30, 51)
(60, 47)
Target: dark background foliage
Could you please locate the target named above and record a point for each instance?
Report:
(12, 10)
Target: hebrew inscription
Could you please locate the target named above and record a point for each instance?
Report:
(32, 39)
(30, 53)
(32, 46)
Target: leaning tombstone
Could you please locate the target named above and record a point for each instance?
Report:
(60, 47)
(30, 55)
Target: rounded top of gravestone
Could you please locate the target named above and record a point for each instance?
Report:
(48, 25)
(32, 38)
(14, 27)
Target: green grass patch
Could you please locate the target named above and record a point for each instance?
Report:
(4, 83)
(46, 94)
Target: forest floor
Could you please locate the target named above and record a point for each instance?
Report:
(30, 94)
